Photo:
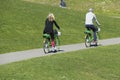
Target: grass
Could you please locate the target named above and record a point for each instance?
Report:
(22, 23)
(103, 6)
(21, 26)
(100, 63)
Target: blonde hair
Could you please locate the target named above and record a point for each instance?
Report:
(51, 17)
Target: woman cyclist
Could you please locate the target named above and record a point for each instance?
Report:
(49, 22)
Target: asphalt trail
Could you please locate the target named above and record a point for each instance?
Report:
(28, 54)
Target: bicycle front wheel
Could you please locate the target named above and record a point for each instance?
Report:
(57, 43)
(98, 37)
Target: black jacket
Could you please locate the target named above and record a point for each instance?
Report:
(49, 26)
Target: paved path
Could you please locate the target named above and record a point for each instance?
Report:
(28, 54)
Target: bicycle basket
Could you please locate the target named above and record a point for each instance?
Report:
(46, 35)
(59, 33)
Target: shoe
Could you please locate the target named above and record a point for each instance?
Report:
(54, 49)
(95, 43)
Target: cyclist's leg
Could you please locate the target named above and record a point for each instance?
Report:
(88, 27)
(94, 31)
(52, 41)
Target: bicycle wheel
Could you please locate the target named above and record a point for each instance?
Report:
(46, 46)
(57, 43)
(98, 37)
(87, 41)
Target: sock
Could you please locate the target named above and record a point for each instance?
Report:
(52, 43)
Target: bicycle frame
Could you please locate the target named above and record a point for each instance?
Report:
(47, 42)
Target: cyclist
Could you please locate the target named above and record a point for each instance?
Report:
(89, 22)
(49, 22)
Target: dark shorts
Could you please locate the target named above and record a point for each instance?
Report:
(94, 29)
(51, 34)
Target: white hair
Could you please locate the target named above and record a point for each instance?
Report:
(90, 10)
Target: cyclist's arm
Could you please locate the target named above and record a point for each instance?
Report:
(96, 20)
(56, 25)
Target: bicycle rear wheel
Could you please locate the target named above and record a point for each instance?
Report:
(87, 41)
(46, 46)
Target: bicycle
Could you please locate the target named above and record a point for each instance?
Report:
(89, 37)
(47, 42)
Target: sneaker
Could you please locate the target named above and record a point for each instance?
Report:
(95, 43)
(54, 49)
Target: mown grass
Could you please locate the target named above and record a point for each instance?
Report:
(103, 6)
(100, 63)
(22, 23)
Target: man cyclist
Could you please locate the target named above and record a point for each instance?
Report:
(89, 22)
(49, 22)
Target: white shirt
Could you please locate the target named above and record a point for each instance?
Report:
(90, 17)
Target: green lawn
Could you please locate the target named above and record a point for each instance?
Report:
(101, 63)
(22, 22)
(21, 26)
(103, 6)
